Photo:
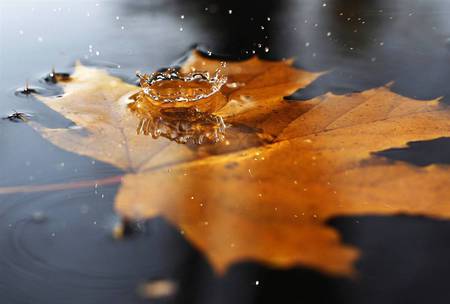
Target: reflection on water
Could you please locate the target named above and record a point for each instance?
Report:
(183, 125)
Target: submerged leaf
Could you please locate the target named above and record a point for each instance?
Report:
(266, 191)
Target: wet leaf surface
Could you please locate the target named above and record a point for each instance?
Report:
(285, 168)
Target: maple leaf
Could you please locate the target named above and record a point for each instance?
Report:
(291, 166)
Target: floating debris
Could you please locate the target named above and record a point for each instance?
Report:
(55, 77)
(18, 117)
(158, 289)
(126, 228)
(26, 90)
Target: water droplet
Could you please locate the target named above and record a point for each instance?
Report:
(329, 34)
(97, 53)
(266, 49)
(117, 18)
(182, 16)
(307, 44)
(230, 12)
(256, 283)
(181, 29)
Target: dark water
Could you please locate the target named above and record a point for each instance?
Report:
(56, 247)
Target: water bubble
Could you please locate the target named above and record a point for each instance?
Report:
(266, 49)
(181, 29)
(329, 34)
(230, 12)
(182, 16)
(307, 44)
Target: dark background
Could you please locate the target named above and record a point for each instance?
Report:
(56, 247)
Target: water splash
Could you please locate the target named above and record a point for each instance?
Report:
(172, 85)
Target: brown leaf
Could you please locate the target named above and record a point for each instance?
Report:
(285, 168)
